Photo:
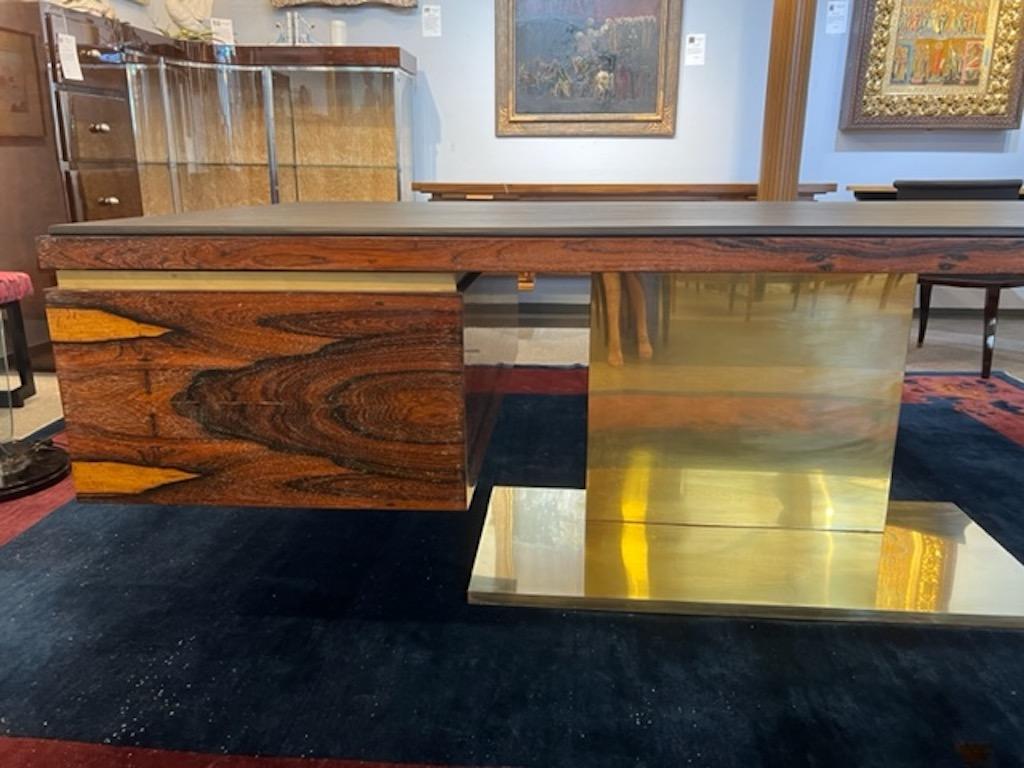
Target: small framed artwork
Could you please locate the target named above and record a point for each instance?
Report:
(21, 101)
(935, 64)
(587, 67)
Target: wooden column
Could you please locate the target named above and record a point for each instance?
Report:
(789, 70)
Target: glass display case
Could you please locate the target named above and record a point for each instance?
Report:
(157, 125)
(221, 135)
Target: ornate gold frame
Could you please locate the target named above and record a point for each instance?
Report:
(659, 123)
(866, 104)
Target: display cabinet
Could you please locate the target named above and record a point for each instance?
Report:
(162, 126)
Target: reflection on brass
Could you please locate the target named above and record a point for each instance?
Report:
(540, 546)
(746, 400)
(526, 281)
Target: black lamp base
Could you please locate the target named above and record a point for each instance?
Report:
(46, 465)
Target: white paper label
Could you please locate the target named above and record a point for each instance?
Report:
(67, 55)
(696, 45)
(223, 31)
(836, 14)
(431, 16)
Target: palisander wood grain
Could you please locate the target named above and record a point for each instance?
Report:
(954, 255)
(310, 400)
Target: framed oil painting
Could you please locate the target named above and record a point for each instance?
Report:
(935, 64)
(587, 67)
(21, 102)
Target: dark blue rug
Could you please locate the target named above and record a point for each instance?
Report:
(335, 634)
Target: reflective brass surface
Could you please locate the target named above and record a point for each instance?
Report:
(930, 564)
(746, 400)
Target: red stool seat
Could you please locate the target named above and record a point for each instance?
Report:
(14, 286)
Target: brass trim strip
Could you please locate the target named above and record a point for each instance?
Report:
(271, 282)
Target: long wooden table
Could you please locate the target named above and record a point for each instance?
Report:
(739, 449)
(515, 191)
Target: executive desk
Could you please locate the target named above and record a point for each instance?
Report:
(314, 355)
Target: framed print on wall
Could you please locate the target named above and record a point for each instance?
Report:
(21, 102)
(587, 67)
(935, 64)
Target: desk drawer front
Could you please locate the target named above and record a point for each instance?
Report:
(105, 193)
(99, 128)
(291, 399)
(98, 41)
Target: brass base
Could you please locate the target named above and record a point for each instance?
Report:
(931, 564)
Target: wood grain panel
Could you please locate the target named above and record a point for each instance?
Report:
(208, 187)
(318, 184)
(953, 255)
(306, 400)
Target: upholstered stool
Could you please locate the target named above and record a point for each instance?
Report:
(15, 286)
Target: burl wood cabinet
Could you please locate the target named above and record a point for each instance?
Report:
(162, 126)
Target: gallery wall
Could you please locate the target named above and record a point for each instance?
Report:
(720, 104)
(719, 126)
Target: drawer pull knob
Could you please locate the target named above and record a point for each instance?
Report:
(92, 53)
(109, 200)
(99, 128)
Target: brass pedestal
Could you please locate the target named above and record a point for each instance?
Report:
(741, 431)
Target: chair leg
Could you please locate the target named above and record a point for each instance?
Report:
(991, 319)
(22, 362)
(926, 305)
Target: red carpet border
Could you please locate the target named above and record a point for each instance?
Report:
(998, 403)
(19, 515)
(44, 753)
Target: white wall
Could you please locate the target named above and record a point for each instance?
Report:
(719, 130)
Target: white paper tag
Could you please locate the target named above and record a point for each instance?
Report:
(431, 16)
(223, 31)
(67, 56)
(836, 14)
(696, 46)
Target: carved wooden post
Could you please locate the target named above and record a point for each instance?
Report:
(789, 70)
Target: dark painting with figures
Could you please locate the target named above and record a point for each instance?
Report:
(585, 56)
(589, 61)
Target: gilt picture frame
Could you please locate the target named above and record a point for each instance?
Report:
(587, 67)
(935, 64)
(21, 97)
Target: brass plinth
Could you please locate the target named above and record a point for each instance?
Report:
(930, 564)
(741, 431)
(762, 400)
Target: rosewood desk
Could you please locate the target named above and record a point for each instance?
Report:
(314, 355)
